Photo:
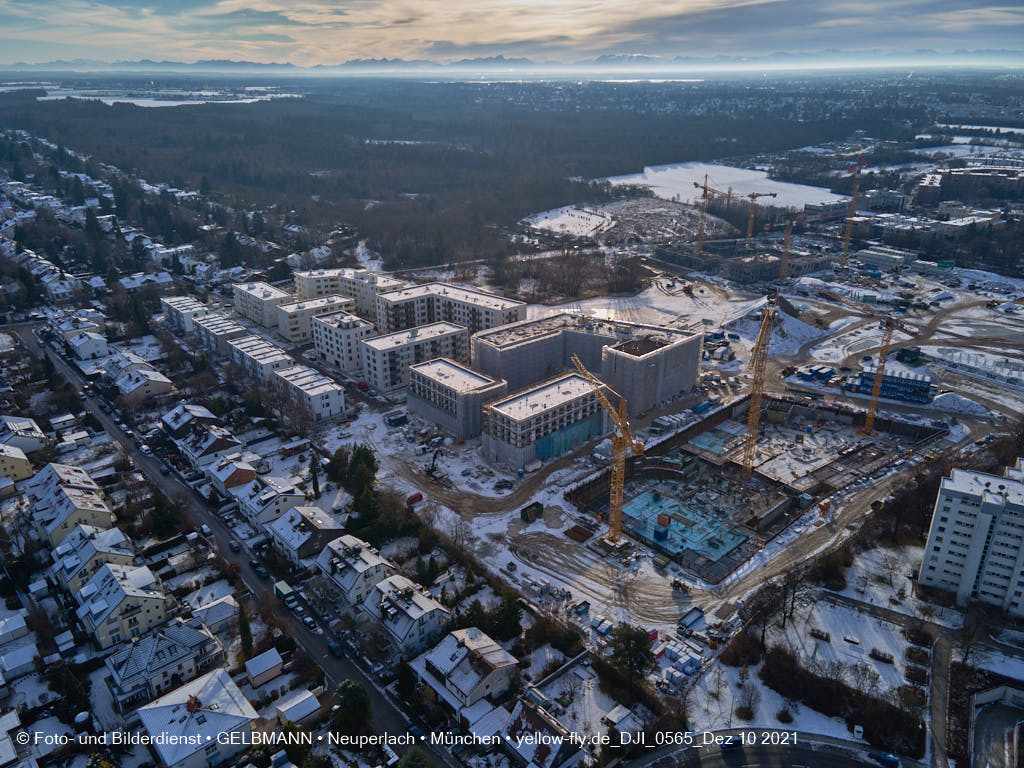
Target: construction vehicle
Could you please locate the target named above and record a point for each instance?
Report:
(758, 366)
(853, 209)
(622, 440)
(706, 192)
(750, 213)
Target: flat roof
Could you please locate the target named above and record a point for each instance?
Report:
(530, 330)
(218, 324)
(453, 375)
(458, 293)
(261, 290)
(543, 397)
(362, 275)
(311, 304)
(308, 380)
(341, 317)
(259, 348)
(414, 335)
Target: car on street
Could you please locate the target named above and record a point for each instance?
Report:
(145, 450)
(164, 469)
(310, 624)
(885, 758)
(235, 546)
(335, 648)
(260, 571)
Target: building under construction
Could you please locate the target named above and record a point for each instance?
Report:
(646, 364)
(741, 264)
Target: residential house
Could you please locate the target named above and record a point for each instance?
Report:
(409, 617)
(203, 724)
(85, 550)
(228, 473)
(207, 443)
(535, 739)
(266, 498)
(217, 614)
(303, 532)
(179, 421)
(136, 387)
(14, 463)
(465, 667)
(161, 660)
(69, 507)
(120, 602)
(22, 432)
(354, 567)
(88, 345)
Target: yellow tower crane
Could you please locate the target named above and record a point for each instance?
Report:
(891, 325)
(750, 213)
(622, 440)
(853, 209)
(706, 192)
(784, 262)
(758, 365)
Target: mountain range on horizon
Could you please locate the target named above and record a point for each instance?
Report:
(606, 62)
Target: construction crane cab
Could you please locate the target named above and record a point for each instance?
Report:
(622, 441)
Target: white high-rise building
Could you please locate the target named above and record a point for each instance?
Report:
(386, 359)
(295, 319)
(976, 542)
(440, 302)
(360, 285)
(336, 338)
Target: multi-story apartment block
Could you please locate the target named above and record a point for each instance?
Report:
(295, 319)
(215, 330)
(121, 602)
(258, 357)
(336, 338)
(646, 364)
(542, 422)
(360, 285)
(180, 311)
(975, 545)
(322, 396)
(439, 302)
(14, 464)
(386, 359)
(265, 499)
(451, 395)
(258, 302)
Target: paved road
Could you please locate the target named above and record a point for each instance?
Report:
(388, 718)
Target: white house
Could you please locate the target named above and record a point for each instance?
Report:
(266, 498)
(302, 532)
(409, 616)
(88, 345)
(201, 724)
(465, 667)
(354, 567)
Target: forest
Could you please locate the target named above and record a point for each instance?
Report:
(433, 172)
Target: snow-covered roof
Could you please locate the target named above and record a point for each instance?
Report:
(398, 604)
(164, 647)
(189, 717)
(111, 585)
(12, 623)
(550, 394)
(300, 705)
(85, 542)
(184, 413)
(219, 610)
(265, 662)
(296, 526)
(465, 657)
(452, 375)
(133, 380)
(534, 735)
(346, 558)
(453, 292)
(15, 658)
(417, 335)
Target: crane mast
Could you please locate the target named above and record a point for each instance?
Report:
(852, 212)
(706, 192)
(784, 262)
(750, 213)
(758, 366)
(623, 441)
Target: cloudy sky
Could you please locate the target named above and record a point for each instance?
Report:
(308, 32)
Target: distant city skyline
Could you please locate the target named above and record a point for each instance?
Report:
(321, 32)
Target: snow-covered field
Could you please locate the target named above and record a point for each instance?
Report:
(570, 220)
(676, 182)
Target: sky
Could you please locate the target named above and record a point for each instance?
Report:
(311, 32)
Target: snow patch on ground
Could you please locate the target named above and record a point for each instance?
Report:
(570, 220)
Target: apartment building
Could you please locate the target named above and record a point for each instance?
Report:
(258, 302)
(121, 602)
(360, 285)
(215, 330)
(295, 319)
(975, 545)
(258, 357)
(302, 532)
(542, 422)
(180, 311)
(14, 463)
(386, 359)
(439, 302)
(451, 395)
(322, 396)
(336, 338)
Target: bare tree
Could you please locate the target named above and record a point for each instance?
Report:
(971, 632)
(750, 698)
(795, 591)
(865, 678)
(892, 565)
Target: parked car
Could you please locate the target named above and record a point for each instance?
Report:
(885, 758)
(205, 530)
(235, 546)
(262, 572)
(335, 648)
(308, 621)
